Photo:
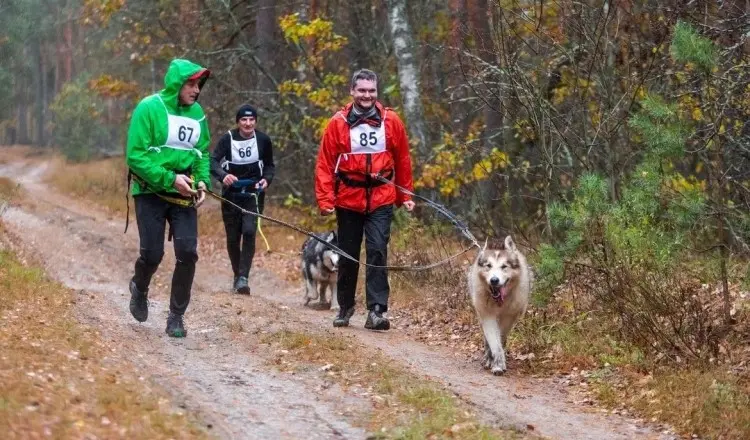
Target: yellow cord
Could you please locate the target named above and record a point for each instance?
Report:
(257, 209)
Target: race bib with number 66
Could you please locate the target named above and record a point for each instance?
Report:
(245, 152)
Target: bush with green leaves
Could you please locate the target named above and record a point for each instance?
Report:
(77, 124)
(637, 255)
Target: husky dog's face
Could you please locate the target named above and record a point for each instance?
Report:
(499, 269)
(330, 257)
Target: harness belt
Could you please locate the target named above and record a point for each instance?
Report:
(244, 186)
(175, 199)
(369, 180)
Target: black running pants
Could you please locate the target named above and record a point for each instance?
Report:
(241, 229)
(152, 214)
(376, 227)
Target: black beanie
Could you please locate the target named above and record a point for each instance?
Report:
(244, 111)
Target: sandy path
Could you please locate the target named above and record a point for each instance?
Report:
(226, 379)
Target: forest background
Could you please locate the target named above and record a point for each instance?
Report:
(611, 138)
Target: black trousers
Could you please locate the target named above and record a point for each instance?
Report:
(153, 214)
(376, 227)
(241, 229)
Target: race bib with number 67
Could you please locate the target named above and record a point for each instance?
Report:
(183, 132)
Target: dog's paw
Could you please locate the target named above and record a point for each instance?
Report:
(498, 366)
(487, 360)
(335, 307)
(498, 371)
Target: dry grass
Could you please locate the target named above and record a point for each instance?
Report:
(9, 190)
(406, 406)
(103, 182)
(711, 404)
(56, 377)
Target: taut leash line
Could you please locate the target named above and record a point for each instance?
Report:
(461, 226)
(338, 249)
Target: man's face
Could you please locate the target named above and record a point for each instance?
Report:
(246, 124)
(365, 93)
(189, 92)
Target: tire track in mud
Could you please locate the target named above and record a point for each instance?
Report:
(227, 382)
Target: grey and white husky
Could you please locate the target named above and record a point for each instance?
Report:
(320, 267)
(499, 286)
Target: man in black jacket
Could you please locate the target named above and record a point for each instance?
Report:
(243, 162)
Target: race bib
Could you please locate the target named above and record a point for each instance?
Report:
(367, 139)
(183, 132)
(245, 152)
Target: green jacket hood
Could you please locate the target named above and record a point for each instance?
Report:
(179, 71)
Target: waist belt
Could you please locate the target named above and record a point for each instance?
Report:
(177, 199)
(171, 197)
(244, 186)
(369, 180)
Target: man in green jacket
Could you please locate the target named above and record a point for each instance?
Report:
(167, 154)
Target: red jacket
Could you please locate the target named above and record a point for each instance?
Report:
(343, 167)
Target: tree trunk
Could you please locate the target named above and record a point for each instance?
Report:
(408, 74)
(68, 50)
(358, 49)
(265, 24)
(23, 122)
(36, 75)
(43, 67)
(478, 14)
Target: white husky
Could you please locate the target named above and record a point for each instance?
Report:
(499, 287)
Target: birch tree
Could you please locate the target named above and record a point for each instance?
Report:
(408, 74)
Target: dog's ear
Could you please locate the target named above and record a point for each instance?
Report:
(510, 245)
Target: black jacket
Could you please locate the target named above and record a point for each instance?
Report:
(223, 153)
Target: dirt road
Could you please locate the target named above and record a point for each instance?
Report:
(225, 379)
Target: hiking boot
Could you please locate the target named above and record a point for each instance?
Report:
(376, 320)
(138, 303)
(342, 319)
(175, 326)
(241, 287)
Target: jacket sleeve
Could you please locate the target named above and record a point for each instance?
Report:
(219, 154)
(202, 163)
(324, 168)
(402, 160)
(140, 138)
(269, 168)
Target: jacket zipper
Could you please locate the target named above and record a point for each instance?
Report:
(368, 188)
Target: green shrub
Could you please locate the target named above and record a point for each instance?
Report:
(78, 127)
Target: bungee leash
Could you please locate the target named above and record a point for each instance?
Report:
(440, 208)
(461, 226)
(336, 248)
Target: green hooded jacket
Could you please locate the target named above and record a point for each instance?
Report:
(165, 137)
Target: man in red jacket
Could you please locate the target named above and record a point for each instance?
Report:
(363, 140)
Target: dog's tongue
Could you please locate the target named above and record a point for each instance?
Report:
(499, 293)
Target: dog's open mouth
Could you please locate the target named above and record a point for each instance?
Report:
(499, 293)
